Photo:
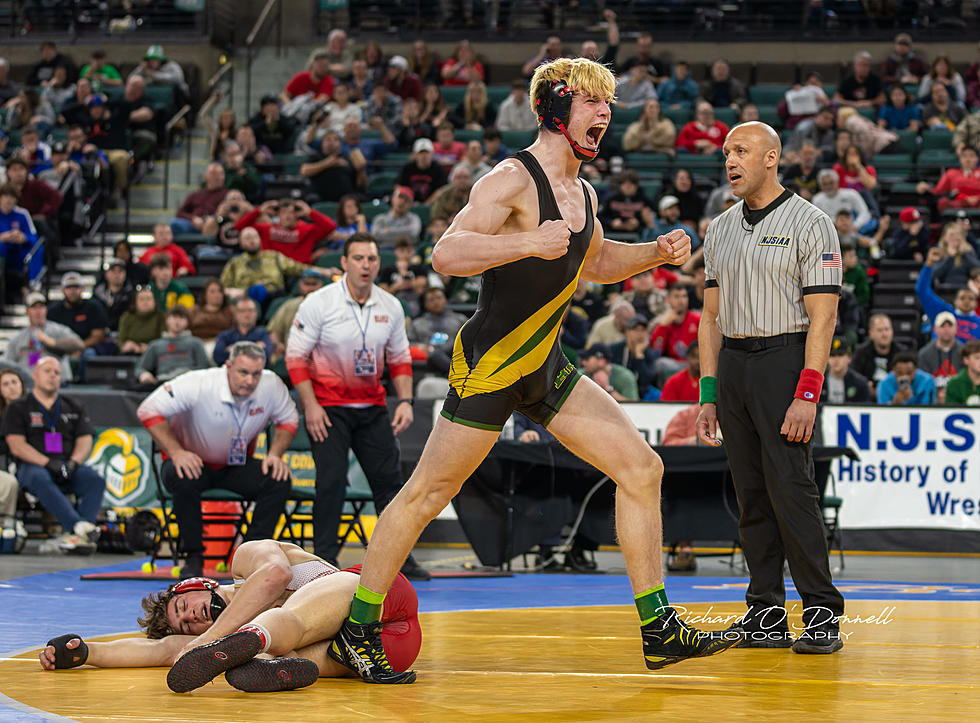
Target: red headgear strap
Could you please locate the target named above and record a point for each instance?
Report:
(196, 583)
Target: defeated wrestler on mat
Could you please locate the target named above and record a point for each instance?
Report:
(285, 602)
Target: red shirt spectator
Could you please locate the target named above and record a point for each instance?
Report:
(290, 237)
(704, 134)
(39, 198)
(400, 81)
(681, 387)
(304, 82)
(964, 182)
(163, 243)
(851, 179)
(447, 151)
(677, 328)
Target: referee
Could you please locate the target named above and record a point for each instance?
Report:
(342, 335)
(773, 275)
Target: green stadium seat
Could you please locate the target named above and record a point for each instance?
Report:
(698, 165)
(464, 135)
(932, 159)
(161, 97)
(375, 208)
(908, 140)
(423, 212)
(893, 166)
(767, 94)
(679, 116)
(381, 183)
(497, 94)
(331, 259)
(768, 114)
(516, 140)
(626, 115)
(327, 208)
(937, 139)
(648, 161)
(453, 94)
(652, 188)
(728, 116)
(870, 113)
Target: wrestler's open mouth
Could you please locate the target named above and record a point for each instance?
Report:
(594, 134)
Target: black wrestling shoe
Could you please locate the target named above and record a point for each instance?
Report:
(414, 571)
(577, 560)
(821, 639)
(668, 640)
(266, 676)
(205, 663)
(358, 647)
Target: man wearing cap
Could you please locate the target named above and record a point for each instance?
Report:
(86, 317)
(668, 218)
(282, 321)
(964, 304)
(903, 65)
(174, 353)
(115, 292)
(635, 354)
(155, 69)
(288, 234)
(842, 384)
(420, 173)
(316, 81)
(911, 239)
(615, 379)
(257, 272)
(41, 337)
(399, 222)
(401, 82)
(941, 357)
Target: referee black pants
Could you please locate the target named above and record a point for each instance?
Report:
(368, 433)
(778, 499)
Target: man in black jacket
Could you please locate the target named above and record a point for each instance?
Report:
(843, 384)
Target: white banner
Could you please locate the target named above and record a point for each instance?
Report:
(919, 466)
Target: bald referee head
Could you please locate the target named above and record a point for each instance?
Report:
(751, 161)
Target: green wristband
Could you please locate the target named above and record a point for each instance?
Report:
(708, 386)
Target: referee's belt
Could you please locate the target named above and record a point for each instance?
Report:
(760, 343)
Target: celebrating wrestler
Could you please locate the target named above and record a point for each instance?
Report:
(530, 229)
(285, 602)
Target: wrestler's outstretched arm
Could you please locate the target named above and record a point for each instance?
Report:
(609, 262)
(124, 653)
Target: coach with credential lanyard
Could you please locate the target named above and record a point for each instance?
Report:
(773, 272)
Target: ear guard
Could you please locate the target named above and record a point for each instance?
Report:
(194, 584)
(553, 111)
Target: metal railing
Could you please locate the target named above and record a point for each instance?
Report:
(168, 131)
(271, 12)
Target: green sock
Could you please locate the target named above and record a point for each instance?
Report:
(651, 604)
(366, 606)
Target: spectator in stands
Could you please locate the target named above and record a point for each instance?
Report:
(174, 353)
(33, 151)
(435, 110)
(903, 65)
(350, 220)
(360, 82)
(627, 209)
(310, 87)
(434, 331)
(166, 288)
(41, 337)
(371, 148)
(59, 89)
(690, 201)
(873, 357)
(282, 321)
(802, 101)
(51, 436)
(43, 70)
(611, 328)
(11, 389)
(374, 56)
(674, 331)
(239, 174)
(423, 63)
(959, 257)
(669, 218)
(141, 324)
(819, 130)
(473, 160)
(27, 108)
(704, 135)
(515, 113)
(337, 173)
(450, 199)
(475, 112)
(862, 88)
(133, 112)
(972, 78)
(245, 328)
(899, 113)
(254, 153)
(8, 90)
(865, 134)
(39, 198)
(635, 354)
(615, 379)
(68, 179)
(74, 110)
(340, 55)
(648, 291)
(136, 272)
(854, 172)
(401, 81)
(905, 383)
(447, 150)
(634, 88)
(382, 104)
(420, 174)
(855, 278)
(942, 71)
(941, 357)
(256, 272)
(942, 111)
(207, 423)
(721, 90)
(156, 69)
(868, 247)
(337, 111)
(679, 91)
(494, 150)
(682, 385)
(958, 187)
(843, 384)
(115, 292)
(651, 132)
(964, 388)
(398, 223)
(803, 174)
(17, 240)
(967, 132)
(86, 317)
(911, 238)
(657, 69)
(163, 243)
(271, 128)
(100, 73)
(832, 198)
(288, 235)
(408, 127)
(211, 314)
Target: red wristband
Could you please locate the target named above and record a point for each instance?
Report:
(809, 386)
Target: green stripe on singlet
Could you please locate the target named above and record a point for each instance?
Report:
(535, 339)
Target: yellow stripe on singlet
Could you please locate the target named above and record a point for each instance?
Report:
(523, 351)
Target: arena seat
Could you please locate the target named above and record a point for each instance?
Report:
(517, 139)
(767, 94)
(497, 94)
(453, 94)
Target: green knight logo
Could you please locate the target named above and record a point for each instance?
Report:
(117, 456)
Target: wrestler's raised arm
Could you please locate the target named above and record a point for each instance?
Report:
(70, 651)
(496, 226)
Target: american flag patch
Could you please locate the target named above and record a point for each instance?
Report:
(830, 261)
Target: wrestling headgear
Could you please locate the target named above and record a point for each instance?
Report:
(553, 109)
(193, 584)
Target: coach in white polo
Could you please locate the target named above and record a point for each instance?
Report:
(206, 422)
(341, 338)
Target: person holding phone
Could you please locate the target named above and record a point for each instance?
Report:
(906, 383)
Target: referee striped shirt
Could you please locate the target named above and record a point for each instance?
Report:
(765, 261)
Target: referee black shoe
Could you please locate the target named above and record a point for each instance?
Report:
(668, 640)
(755, 637)
(821, 639)
(358, 647)
(414, 571)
